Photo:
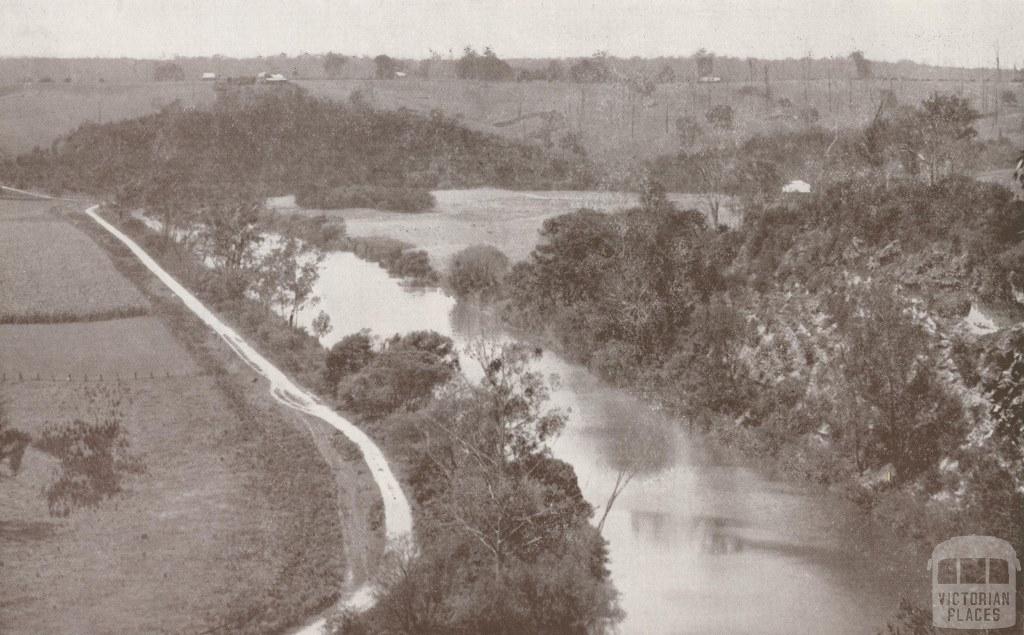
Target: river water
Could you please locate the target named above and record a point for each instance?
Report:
(697, 544)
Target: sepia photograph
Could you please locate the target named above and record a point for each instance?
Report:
(545, 317)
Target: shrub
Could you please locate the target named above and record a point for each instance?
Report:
(721, 117)
(405, 373)
(94, 456)
(477, 270)
(350, 355)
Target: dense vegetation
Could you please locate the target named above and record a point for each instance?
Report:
(822, 332)
(504, 539)
(283, 142)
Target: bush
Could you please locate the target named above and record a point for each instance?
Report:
(395, 256)
(405, 373)
(477, 270)
(394, 199)
(721, 117)
(94, 457)
(350, 355)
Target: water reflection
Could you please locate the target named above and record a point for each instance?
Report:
(696, 545)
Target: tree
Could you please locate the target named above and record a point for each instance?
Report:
(705, 63)
(334, 64)
(321, 325)
(487, 67)
(168, 72)
(640, 443)
(477, 270)
(232, 232)
(593, 69)
(404, 374)
(712, 171)
(666, 75)
(886, 359)
(286, 276)
(13, 443)
(720, 117)
(862, 65)
(349, 355)
(555, 72)
(944, 128)
(385, 67)
(688, 131)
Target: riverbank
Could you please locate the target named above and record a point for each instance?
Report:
(348, 492)
(506, 219)
(708, 514)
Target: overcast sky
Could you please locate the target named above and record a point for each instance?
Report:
(954, 32)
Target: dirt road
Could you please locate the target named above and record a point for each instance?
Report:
(397, 513)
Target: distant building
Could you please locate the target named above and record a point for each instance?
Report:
(709, 79)
(276, 78)
(796, 187)
(209, 77)
(399, 74)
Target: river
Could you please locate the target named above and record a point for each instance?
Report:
(697, 544)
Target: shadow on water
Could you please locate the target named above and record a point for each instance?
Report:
(696, 543)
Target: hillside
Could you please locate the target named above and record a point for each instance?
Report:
(278, 142)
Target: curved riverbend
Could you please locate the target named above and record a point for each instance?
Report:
(698, 544)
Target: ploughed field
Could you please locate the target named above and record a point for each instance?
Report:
(235, 522)
(51, 272)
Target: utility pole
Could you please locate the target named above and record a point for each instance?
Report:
(830, 85)
(998, 95)
(807, 77)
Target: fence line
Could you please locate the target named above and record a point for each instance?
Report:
(95, 378)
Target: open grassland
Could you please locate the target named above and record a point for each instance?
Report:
(505, 219)
(233, 509)
(52, 272)
(236, 524)
(36, 114)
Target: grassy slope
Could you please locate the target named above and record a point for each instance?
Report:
(234, 524)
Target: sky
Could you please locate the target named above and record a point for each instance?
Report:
(947, 32)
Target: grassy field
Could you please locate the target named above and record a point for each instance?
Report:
(125, 348)
(52, 272)
(236, 524)
(36, 114)
(505, 219)
(615, 127)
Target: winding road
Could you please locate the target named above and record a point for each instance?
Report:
(397, 513)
